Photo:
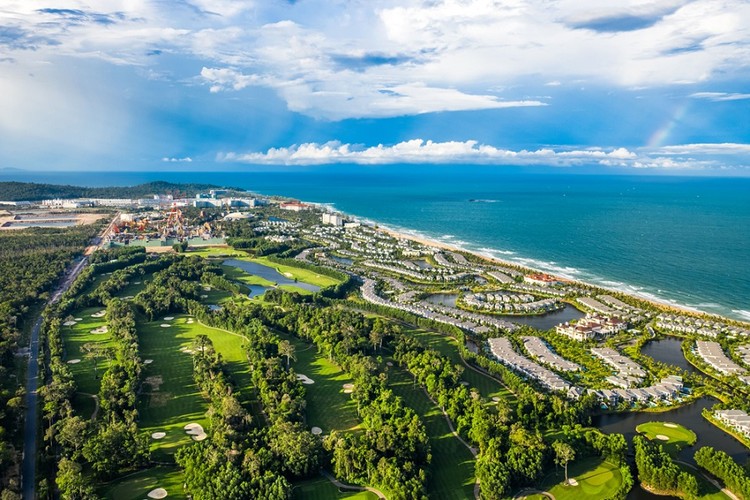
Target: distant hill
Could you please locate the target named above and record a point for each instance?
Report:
(29, 191)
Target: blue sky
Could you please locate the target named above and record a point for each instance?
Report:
(170, 84)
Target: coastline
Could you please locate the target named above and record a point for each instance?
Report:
(663, 305)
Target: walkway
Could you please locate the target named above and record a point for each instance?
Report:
(343, 486)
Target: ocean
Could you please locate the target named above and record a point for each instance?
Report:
(676, 239)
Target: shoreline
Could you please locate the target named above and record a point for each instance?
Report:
(425, 240)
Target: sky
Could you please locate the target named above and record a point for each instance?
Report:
(656, 85)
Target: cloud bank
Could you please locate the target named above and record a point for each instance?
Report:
(418, 151)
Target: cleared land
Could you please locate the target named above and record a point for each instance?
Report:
(673, 437)
(597, 478)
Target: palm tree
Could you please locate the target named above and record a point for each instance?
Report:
(564, 453)
(286, 348)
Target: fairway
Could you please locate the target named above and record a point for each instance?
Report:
(328, 407)
(452, 467)
(297, 273)
(322, 489)
(88, 371)
(673, 437)
(170, 398)
(136, 486)
(596, 478)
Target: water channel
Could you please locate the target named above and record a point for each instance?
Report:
(269, 273)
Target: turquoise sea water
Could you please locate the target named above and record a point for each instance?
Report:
(684, 240)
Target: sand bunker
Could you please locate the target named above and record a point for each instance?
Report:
(155, 381)
(69, 323)
(495, 399)
(165, 325)
(158, 435)
(316, 431)
(463, 382)
(136, 282)
(672, 426)
(79, 319)
(186, 350)
(389, 363)
(99, 314)
(100, 331)
(169, 318)
(195, 431)
(204, 296)
(348, 388)
(189, 322)
(305, 379)
(148, 361)
(662, 437)
(157, 493)
(572, 482)
(74, 361)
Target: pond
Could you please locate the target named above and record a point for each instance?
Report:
(422, 264)
(548, 320)
(256, 290)
(442, 299)
(342, 260)
(689, 416)
(667, 350)
(269, 273)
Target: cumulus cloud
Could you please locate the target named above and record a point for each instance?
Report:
(372, 59)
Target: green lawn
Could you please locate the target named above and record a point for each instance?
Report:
(217, 251)
(86, 372)
(236, 274)
(678, 436)
(448, 346)
(328, 407)
(452, 467)
(177, 401)
(297, 273)
(136, 486)
(596, 479)
(322, 489)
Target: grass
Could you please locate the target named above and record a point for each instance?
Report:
(87, 373)
(452, 467)
(136, 486)
(297, 273)
(236, 274)
(448, 346)
(217, 251)
(679, 436)
(328, 407)
(178, 400)
(597, 478)
(322, 489)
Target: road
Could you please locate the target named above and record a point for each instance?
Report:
(28, 471)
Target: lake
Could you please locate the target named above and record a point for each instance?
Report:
(269, 273)
(668, 350)
(548, 320)
(442, 299)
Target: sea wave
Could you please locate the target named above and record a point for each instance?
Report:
(742, 313)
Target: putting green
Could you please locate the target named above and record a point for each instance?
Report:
(596, 479)
(677, 436)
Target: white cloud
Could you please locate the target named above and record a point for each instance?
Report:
(168, 159)
(418, 151)
(720, 96)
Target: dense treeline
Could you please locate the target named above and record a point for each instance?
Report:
(658, 471)
(30, 191)
(725, 468)
(31, 261)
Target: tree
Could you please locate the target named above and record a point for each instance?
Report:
(564, 453)
(286, 348)
(71, 482)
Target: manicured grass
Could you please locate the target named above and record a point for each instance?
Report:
(298, 273)
(328, 407)
(88, 372)
(596, 478)
(218, 251)
(323, 489)
(679, 436)
(448, 346)
(452, 467)
(236, 274)
(136, 486)
(178, 400)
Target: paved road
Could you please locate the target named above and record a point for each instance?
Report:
(28, 471)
